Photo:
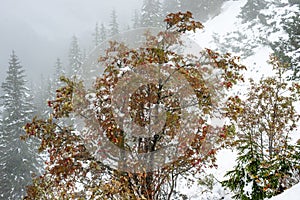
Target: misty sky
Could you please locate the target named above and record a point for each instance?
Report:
(41, 30)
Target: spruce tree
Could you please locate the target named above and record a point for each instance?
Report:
(251, 10)
(171, 6)
(151, 14)
(288, 49)
(202, 9)
(252, 29)
(75, 57)
(43, 93)
(294, 2)
(103, 33)
(99, 34)
(59, 71)
(293, 29)
(54, 82)
(267, 161)
(114, 26)
(17, 159)
(96, 35)
(136, 20)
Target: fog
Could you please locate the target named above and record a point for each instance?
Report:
(40, 30)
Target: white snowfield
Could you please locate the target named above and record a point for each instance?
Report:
(290, 194)
(257, 68)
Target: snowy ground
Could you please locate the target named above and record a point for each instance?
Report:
(290, 194)
(257, 68)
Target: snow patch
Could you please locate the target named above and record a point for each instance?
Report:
(290, 194)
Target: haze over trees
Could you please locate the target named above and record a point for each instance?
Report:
(75, 58)
(72, 163)
(259, 124)
(113, 25)
(18, 160)
(151, 15)
(266, 160)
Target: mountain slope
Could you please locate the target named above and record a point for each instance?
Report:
(221, 26)
(290, 194)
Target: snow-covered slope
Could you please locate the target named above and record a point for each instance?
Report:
(223, 23)
(258, 67)
(291, 194)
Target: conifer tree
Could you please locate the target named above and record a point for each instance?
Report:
(170, 6)
(267, 162)
(75, 57)
(99, 34)
(251, 32)
(103, 33)
(151, 14)
(136, 20)
(43, 93)
(294, 2)
(114, 26)
(251, 10)
(53, 82)
(202, 9)
(17, 159)
(96, 35)
(59, 71)
(288, 50)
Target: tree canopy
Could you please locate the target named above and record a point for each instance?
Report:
(180, 90)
